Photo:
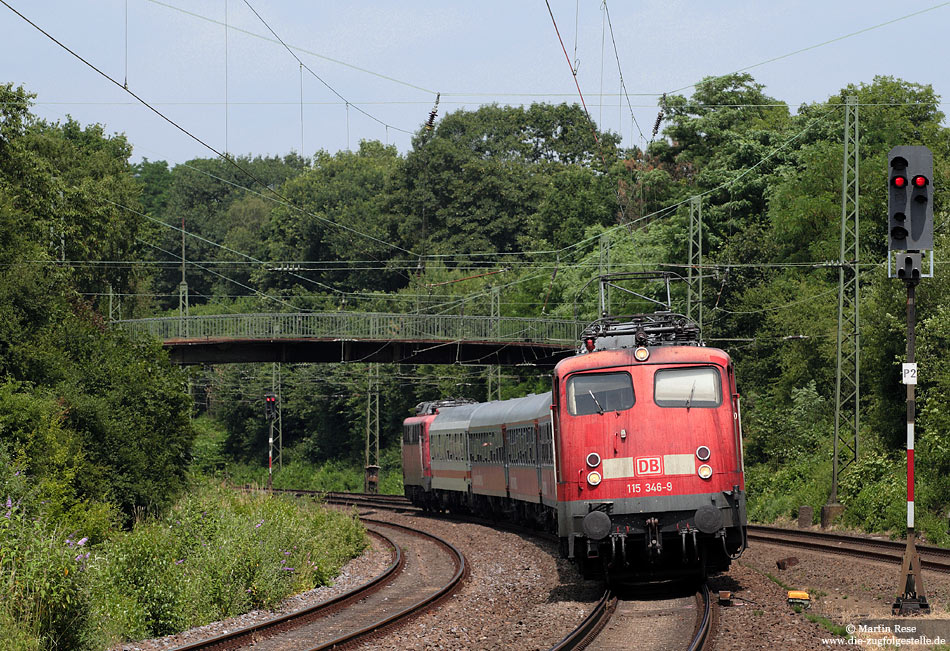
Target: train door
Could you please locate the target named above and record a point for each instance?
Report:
(737, 420)
(536, 442)
(556, 429)
(504, 458)
(426, 452)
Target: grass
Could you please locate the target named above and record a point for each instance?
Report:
(778, 581)
(217, 553)
(831, 627)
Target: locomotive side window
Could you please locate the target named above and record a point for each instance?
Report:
(696, 386)
(547, 445)
(597, 393)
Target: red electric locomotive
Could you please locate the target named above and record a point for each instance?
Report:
(635, 458)
(649, 451)
(417, 477)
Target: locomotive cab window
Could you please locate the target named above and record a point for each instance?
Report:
(598, 393)
(695, 386)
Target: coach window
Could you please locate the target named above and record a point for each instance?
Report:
(692, 386)
(597, 393)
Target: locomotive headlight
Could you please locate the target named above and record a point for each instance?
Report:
(593, 477)
(593, 459)
(704, 471)
(702, 453)
(641, 354)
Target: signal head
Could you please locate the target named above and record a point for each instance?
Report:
(910, 198)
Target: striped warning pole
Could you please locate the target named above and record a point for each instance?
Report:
(912, 599)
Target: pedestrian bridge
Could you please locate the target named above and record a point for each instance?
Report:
(360, 337)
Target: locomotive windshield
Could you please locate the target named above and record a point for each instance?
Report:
(597, 393)
(696, 386)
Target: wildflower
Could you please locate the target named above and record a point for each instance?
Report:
(179, 561)
(258, 525)
(286, 553)
(288, 569)
(69, 543)
(82, 542)
(9, 502)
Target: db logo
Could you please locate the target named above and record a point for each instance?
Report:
(648, 466)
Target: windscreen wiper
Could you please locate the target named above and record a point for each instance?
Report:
(596, 401)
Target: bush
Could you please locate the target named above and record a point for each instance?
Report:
(219, 553)
(873, 491)
(42, 570)
(774, 493)
(331, 476)
(207, 457)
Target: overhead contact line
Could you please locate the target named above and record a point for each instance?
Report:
(318, 77)
(222, 155)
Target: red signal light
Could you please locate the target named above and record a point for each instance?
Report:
(589, 344)
(899, 181)
(920, 181)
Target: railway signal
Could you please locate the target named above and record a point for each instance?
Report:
(270, 406)
(910, 212)
(270, 413)
(910, 230)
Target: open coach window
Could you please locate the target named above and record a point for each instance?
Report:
(597, 393)
(694, 386)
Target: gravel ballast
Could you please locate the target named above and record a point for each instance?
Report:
(520, 595)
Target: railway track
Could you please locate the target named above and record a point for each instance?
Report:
(653, 623)
(362, 500)
(891, 551)
(613, 621)
(425, 569)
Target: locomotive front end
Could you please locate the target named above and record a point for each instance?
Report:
(649, 453)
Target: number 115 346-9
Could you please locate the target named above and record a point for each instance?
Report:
(650, 487)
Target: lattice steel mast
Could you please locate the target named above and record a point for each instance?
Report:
(847, 379)
(694, 279)
(371, 483)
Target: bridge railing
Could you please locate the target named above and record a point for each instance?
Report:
(357, 325)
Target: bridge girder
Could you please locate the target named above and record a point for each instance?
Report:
(290, 350)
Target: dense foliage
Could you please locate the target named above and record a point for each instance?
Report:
(99, 420)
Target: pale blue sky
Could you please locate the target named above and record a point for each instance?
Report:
(471, 52)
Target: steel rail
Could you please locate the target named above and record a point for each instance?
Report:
(588, 629)
(241, 636)
(595, 620)
(705, 623)
(420, 606)
(890, 551)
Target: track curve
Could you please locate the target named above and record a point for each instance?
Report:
(406, 587)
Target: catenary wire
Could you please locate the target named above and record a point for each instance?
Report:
(318, 77)
(623, 85)
(221, 155)
(295, 47)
